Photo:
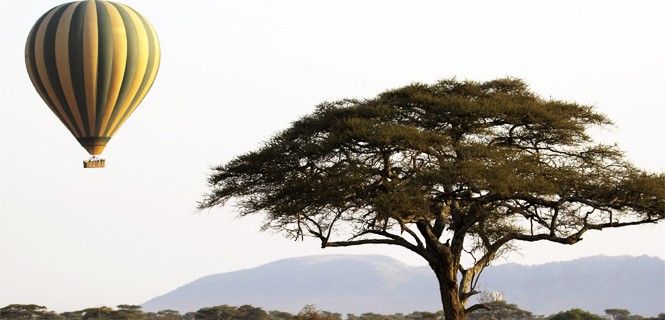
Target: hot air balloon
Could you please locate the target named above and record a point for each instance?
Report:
(92, 62)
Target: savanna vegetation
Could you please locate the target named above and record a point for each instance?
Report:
(500, 311)
(456, 172)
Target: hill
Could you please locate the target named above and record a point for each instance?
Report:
(372, 283)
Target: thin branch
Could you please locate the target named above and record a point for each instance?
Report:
(399, 240)
(357, 242)
(330, 227)
(477, 307)
(392, 239)
(413, 235)
(318, 234)
(576, 237)
(649, 219)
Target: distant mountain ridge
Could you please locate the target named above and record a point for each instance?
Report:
(373, 283)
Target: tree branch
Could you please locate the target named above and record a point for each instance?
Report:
(414, 235)
(392, 240)
(477, 307)
(404, 227)
(397, 240)
(431, 240)
(601, 226)
(357, 242)
(576, 237)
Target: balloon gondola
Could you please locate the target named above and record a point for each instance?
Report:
(92, 62)
(94, 162)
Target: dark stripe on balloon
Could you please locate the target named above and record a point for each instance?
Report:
(62, 60)
(146, 77)
(105, 62)
(32, 66)
(52, 67)
(130, 68)
(76, 63)
(41, 75)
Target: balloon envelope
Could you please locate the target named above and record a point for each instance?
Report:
(92, 62)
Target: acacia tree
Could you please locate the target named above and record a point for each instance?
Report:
(28, 312)
(445, 170)
(618, 314)
(575, 314)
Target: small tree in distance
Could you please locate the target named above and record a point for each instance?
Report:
(618, 314)
(28, 312)
(575, 314)
(310, 312)
(444, 170)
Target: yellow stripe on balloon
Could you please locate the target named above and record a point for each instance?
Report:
(90, 60)
(62, 61)
(119, 63)
(155, 63)
(34, 77)
(141, 66)
(43, 75)
(150, 78)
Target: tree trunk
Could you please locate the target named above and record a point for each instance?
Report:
(453, 309)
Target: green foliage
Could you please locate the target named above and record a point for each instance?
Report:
(247, 312)
(501, 310)
(618, 314)
(223, 312)
(28, 312)
(403, 154)
(128, 312)
(310, 312)
(417, 315)
(73, 315)
(226, 312)
(575, 314)
(188, 316)
(164, 315)
(280, 315)
(99, 313)
(445, 170)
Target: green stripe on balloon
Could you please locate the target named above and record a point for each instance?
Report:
(76, 62)
(52, 67)
(105, 63)
(146, 78)
(32, 66)
(130, 68)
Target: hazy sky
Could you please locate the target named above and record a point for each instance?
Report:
(235, 72)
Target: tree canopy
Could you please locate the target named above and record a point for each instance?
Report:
(575, 314)
(445, 170)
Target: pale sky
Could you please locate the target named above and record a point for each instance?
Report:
(235, 72)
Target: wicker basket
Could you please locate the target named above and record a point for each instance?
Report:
(94, 163)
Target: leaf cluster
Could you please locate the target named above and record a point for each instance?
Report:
(417, 152)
